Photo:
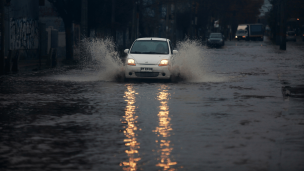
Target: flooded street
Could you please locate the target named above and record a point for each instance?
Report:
(233, 118)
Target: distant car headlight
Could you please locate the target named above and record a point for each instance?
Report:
(235, 36)
(131, 62)
(163, 62)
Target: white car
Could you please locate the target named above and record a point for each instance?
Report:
(149, 58)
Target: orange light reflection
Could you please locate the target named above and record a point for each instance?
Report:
(163, 131)
(131, 140)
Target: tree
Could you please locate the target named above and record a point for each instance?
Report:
(68, 10)
(294, 10)
(110, 15)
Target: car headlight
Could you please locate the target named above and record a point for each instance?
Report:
(131, 62)
(163, 62)
(235, 36)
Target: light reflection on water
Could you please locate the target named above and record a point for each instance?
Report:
(130, 132)
(163, 131)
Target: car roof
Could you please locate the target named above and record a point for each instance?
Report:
(153, 38)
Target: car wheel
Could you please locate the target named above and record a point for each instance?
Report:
(175, 74)
(120, 77)
(173, 79)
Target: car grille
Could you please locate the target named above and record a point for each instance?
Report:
(146, 74)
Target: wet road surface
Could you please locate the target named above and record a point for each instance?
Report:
(235, 118)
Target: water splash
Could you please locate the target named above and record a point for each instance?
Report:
(192, 60)
(102, 55)
(101, 61)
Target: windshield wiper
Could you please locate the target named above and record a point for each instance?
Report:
(154, 53)
(136, 52)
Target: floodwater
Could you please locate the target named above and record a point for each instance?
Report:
(230, 115)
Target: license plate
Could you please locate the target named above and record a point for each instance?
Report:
(146, 69)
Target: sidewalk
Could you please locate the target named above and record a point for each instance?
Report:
(29, 65)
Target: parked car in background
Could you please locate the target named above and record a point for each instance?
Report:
(216, 39)
(291, 36)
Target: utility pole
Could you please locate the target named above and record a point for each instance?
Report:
(283, 26)
(84, 18)
(2, 38)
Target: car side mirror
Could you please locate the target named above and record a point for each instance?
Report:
(126, 50)
(175, 52)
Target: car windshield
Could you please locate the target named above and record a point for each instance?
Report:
(215, 36)
(150, 47)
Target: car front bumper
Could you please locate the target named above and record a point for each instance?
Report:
(241, 38)
(215, 43)
(153, 72)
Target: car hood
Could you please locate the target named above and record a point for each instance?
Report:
(148, 58)
(215, 39)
